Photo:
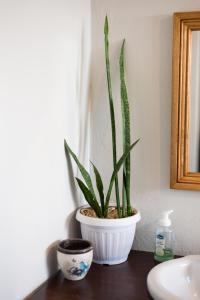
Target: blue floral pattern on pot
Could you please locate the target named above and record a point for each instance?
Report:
(80, 270)
(75, 267)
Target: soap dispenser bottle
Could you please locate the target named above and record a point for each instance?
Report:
(164, 238)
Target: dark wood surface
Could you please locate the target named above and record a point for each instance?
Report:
(125, 281)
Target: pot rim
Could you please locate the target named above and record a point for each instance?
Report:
(100, 222)
(88, 246)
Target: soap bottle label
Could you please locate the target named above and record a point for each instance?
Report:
(160, 244)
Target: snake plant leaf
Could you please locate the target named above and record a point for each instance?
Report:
(114, 174)
(84, 172)
(99, 185)
(112, 113)
(125, 129)
(106, 28)
(124, 196)
(89, 198)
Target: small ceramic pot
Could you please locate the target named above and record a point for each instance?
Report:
(74, 258)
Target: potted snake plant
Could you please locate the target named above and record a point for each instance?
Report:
(109, 227)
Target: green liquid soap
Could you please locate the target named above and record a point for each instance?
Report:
(164, 239)
(167, 255)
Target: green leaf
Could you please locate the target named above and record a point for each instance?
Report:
(83, 171)
(125, 129)
(124, 196)
(114, 174)
(112, 112)
(99, 185)
(106, 28)
(89, 198)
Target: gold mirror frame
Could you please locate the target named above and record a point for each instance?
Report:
(181, 177)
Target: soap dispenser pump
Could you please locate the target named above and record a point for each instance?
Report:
(164, 238)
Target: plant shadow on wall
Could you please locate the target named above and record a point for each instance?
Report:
(71, 224)
(121, 215)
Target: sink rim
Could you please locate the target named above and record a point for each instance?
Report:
(155, 289)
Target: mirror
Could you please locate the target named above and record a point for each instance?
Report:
(185, 127)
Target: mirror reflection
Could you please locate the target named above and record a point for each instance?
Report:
(194, 153)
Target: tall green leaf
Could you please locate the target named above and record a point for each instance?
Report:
(112, 114)
(89, 198)
(84, 172)
(126, 132)
(114, 174)
(99, 185)
(124, 197)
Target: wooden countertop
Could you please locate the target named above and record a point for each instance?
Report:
(125, 281)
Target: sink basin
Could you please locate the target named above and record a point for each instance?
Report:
(177, 279)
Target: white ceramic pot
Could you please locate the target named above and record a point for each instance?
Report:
(74, 258)
(111, 239)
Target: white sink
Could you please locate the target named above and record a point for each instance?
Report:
(177, 279)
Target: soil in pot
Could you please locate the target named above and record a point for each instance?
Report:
(112, 212)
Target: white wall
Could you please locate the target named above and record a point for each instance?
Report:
(44, 65)
(147, 27)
